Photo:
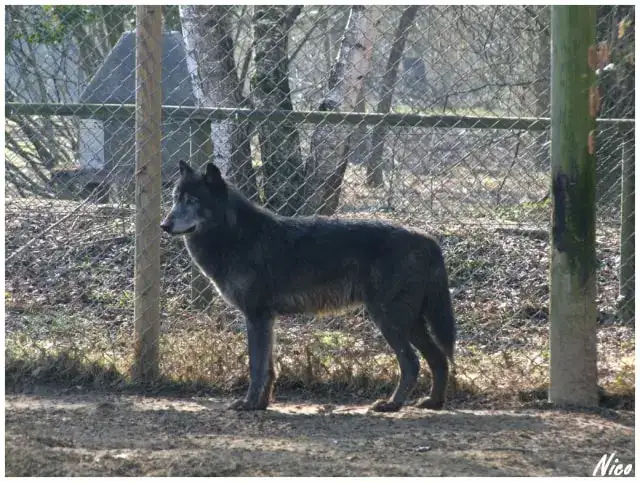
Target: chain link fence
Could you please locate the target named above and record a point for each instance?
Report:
(475, 172)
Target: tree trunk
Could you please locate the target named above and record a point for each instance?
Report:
(327, 162)
(359, 140)
(573, 372)
(209, 45)
(282, 165)
(374, 164)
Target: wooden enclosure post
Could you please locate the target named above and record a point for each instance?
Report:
(148, 154)
(573, 371)
(628, 227)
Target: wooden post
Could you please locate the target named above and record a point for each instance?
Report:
(148, 125)
(573, 371)
(627, 228)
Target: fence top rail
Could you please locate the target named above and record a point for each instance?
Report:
(104, 111)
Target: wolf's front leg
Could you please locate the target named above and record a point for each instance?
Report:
(260, 341)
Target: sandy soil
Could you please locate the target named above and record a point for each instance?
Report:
(98, 434)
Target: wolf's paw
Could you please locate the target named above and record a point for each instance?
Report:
(429, 403)
(385, 406)
(244, 405)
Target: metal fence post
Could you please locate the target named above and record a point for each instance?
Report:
(573, 373)
(148, 154)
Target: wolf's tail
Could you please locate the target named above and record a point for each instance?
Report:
(437, 306)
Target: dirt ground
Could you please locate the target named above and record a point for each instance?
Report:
(69, 433)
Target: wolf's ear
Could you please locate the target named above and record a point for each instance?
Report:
(212, 175)
(185, 169)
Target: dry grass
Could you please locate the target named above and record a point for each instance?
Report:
(200, 358)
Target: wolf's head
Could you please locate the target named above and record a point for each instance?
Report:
(198, 199)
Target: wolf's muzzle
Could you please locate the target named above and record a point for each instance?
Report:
(167, 225)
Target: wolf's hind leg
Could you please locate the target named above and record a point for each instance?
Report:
(437, 362)
(396, 336)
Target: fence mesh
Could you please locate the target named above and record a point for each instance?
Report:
(483, 191)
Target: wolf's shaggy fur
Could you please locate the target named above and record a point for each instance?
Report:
(266, 265)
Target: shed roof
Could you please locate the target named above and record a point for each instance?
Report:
(114, 82)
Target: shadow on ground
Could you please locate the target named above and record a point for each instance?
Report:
(106, 434)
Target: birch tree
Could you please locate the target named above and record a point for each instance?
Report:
(329, 144)
(209, 47)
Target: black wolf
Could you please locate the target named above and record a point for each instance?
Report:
(266, 265)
